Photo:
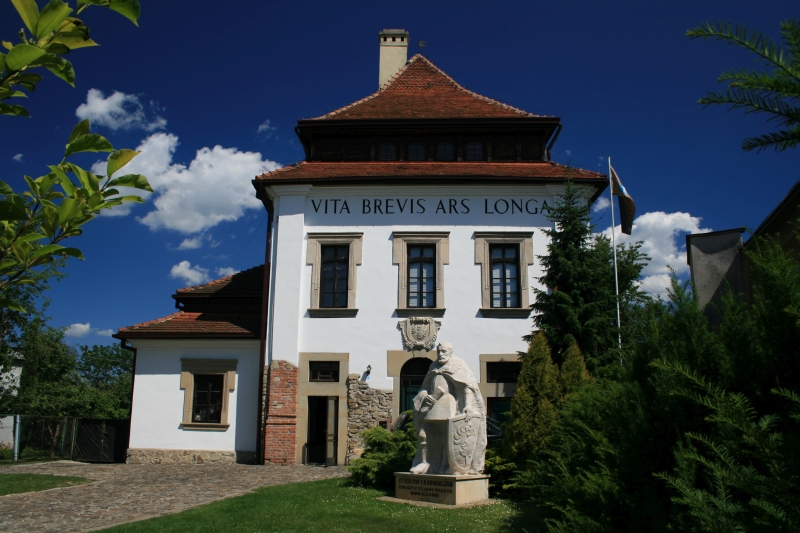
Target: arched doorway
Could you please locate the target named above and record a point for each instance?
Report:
(411, 376)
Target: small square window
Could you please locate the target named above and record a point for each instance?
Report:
(207, 405)
(387, 152)
(474, 151)
(445, 152)
(416, 152)
(323, 371)
(502, 372)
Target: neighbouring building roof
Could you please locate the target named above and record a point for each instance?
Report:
(420, 90)
(226, 308)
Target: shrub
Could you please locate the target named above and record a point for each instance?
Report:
(386, 452)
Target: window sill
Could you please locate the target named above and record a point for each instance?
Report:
(194, 426)
(505, 312)
(332, 312)
(420, 311)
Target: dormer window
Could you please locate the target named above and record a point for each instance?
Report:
(445, 152)
(387, 152)
(474, 151)
(416, 152)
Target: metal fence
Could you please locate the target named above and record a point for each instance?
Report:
(35, 438)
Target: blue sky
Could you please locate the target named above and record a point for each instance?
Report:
(213, 91)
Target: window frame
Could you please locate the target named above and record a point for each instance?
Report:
(483, 240)
(335, 259)
(314, 258)
(480, 143)
(421, 259)
(400, 242)
(335, 372)
(192, 367)
(424, 150)
(503, 260)
(453, 148)
(394, 151)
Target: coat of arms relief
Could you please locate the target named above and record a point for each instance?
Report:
(419, 333)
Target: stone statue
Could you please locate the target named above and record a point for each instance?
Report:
(450, 418)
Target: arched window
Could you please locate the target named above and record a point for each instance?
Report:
(474, 151)
(416, 152)
(386, 152)
(445, 152)
(411, 376)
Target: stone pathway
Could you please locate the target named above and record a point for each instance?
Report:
(126, 493)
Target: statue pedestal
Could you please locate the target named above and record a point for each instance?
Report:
(448, 490)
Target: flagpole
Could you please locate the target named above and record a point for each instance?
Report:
(614, 247)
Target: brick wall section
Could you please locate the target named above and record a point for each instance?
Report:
(280, 426)
(366, 407)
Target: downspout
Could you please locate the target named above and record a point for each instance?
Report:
(262, 358)
(553, 141)
(125, 346)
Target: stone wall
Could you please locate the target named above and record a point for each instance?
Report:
(280, 425)
(150, 456)
(366, 408)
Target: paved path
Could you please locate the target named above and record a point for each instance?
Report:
(126, 493)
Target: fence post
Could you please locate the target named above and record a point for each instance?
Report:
(16, 438)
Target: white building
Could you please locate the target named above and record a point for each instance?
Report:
(422, 202)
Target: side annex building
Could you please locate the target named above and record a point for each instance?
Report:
(416, 216)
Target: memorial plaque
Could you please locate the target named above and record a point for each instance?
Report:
(444, 489)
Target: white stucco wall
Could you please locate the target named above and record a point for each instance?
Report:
(158, 398)
(369, 335)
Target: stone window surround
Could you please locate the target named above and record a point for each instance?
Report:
(190, 367)
(314, 257)
(400, 241)
(496, 390)
(395, 359)
(525, 241)
(306, 388)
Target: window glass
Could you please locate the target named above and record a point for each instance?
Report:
(502, 372)
(504, 149)
(207, 404)
(333, 286)
(386, 152)
(421, 275)
(505, 277)
(445, 152)
(416, 152)
(325, 371)
(474, 151)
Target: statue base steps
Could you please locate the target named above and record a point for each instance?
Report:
(447, 490)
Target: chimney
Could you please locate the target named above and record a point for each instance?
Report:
(394, 53)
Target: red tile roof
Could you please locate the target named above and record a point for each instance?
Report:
(242, 284)
(318, 171)
(420, 90)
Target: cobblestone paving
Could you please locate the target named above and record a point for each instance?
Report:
(125, 493)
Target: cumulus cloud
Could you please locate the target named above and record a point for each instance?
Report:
(78, 330)
(663, 235)
(601, 203)
(191, 275)
(17, 158)
(105, 332)
(118, 111)
(227, 271)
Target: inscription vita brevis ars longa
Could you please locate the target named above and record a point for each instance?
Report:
(419, 206)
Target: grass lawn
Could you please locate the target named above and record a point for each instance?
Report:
(16, 483)
(332, 506)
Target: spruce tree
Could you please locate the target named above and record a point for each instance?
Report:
(573, 371)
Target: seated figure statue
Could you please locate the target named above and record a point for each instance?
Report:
(450, 418)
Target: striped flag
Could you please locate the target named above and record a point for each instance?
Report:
(627, 207)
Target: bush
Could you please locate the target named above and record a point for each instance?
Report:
(386, 452)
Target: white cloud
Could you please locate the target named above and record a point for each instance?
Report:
(192, 243)
(118, 111)
(17, 158)
(227, 271)
(663, 235)
(265, 128)
(192, 275)
(600, 204)
(78, 330)
(105, 332)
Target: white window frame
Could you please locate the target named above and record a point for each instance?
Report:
(483, 240)
(400, 241)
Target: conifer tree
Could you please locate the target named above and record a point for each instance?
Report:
(573, 371)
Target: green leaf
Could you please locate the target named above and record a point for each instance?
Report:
(6, 303)
(57, 48)
(13, 208)
(137, 181)
(53, 14)
(58, 66)
(22, 55)
(14, 110)
(81, 128)
(90, 142)
(48, 249)
(5, 188)
(74, 35)
(29, 80)
(65, 182)
(69, 208)
(119, 159)
(30, 237)
(127, 8)
(73, 252)
(2, 62)
(124, 199)
(28, 12)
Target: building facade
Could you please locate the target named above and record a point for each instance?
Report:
(416, 216)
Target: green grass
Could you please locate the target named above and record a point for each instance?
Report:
(16, 483)
(332, 506)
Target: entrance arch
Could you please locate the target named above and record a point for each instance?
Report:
(411, 376)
